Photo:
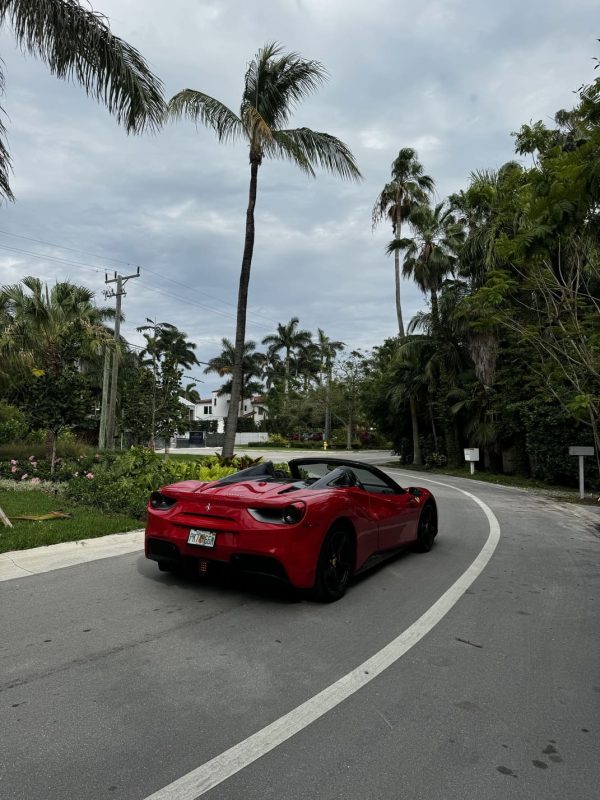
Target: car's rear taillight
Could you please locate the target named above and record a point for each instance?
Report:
(160, 502)
(293, 513)
(276, 515)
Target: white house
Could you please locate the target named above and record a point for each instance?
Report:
(216, 407)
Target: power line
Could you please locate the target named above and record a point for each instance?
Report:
(64, 247)
(91, 268)
(88, 267)
(117, 260)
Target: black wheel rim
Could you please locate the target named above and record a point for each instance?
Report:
(337, 561)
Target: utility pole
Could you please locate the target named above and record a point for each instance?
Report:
(104, 404)
(107, 426)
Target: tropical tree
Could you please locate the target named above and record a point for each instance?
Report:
(273, 85)
(251, 368)
(49, 338)
(76, 42)
(168, 353)
(431, 255)
(305, 366)
(409, 185)
(346, 391)
(272, 369)
(292, 341)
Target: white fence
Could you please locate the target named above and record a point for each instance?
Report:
(246, 438)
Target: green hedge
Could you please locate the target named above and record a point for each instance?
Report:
(125, 485)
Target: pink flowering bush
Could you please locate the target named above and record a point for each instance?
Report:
(65, 469)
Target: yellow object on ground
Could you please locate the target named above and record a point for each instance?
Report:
(42, 517)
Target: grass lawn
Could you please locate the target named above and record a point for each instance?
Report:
(87, 523)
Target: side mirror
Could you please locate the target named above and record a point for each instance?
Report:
(415, 491)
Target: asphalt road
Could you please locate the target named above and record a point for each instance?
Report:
(117, 680)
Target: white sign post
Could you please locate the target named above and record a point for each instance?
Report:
(581, 452)
(472, 455)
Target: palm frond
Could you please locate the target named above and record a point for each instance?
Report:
(5, 165)
(77, 44)
(400, 244)
(200, 107)
(257, 129)
(310, 149)
(275, 85)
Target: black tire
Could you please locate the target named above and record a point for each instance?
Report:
(336, 565)
(165, 566)
(427, 530)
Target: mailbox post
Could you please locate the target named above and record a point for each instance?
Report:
(472, 455)
(581, 452)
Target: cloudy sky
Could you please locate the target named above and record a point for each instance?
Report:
(451, 78)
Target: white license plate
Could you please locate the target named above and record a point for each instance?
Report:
(202, 537)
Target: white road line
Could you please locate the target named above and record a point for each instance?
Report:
(213, 772)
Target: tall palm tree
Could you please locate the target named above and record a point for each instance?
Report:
(409, 185)
(76, 42)
(292, 341)
(431, 255)
(273, 85)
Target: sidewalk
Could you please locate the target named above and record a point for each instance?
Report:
(24, 563)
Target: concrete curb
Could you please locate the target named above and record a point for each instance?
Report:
(25, 563)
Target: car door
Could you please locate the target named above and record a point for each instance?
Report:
(365, 522)
(397, 517)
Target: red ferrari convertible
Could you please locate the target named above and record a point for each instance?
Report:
(328, 520)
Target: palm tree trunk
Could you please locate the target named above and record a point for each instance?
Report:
(240, 331)
(397, 275)
(286, 385)
(417, 457)
(327, 435)
(433, 430)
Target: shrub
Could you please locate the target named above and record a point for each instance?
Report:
(277, 440)
(13, 423)
(125, 484)
(436, 461)
(49, 487)
(24, 465)
(549, 433)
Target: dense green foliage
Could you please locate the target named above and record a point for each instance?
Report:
(507, 358)
(125, 483)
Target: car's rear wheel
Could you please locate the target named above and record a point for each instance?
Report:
(165, 566)
(336, 565)
(427, 530)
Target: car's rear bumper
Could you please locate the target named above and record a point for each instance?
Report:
(287, 553)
